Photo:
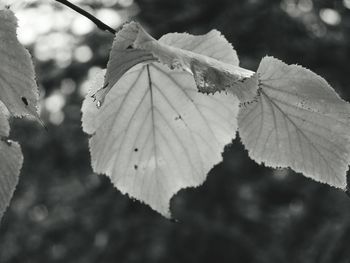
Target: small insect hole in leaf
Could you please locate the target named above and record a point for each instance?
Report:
(98, 104)
(136, 150)
(25, 101)
(178, 118)
(242, 80)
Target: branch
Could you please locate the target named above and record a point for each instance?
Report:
(89, 16)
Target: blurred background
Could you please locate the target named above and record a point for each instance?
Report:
(62, 212)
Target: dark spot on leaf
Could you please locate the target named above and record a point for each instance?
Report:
(25, 101)
(135, 167)
(178, 118)
(136, 150)
(242, 79)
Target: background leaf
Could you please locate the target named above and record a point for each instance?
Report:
(19, 94)
(18, 89)
(297, 121)
(11, 160)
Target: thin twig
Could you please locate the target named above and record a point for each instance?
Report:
(94, 19)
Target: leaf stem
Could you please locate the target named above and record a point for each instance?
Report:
(89, 16)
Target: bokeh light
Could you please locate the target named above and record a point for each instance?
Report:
(330, 16)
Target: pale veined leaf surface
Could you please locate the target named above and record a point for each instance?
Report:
(156, 133)
(297, 120)
(212, 44)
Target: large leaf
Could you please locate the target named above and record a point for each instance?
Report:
(297, 120)
(156, 134)
(209, 58)
(18, 89)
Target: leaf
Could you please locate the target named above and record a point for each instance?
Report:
(156, 134)
(297, 120)
(18, 96)
(11, 160)
(212, 44)
(216, 70)
(18, 89)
